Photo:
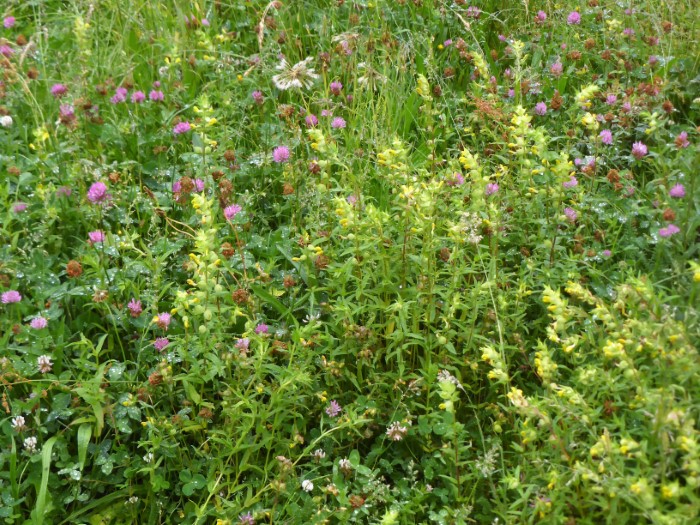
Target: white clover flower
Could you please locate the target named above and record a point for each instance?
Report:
(300, 75)
(6, 121)
(18, 423)
(30, 444)
(307, 485)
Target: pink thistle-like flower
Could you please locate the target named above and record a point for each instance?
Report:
(639, 149)
(491, 188)
(58, 90)
(338, 123)
(96, 237)
(336, 87)
(19, 207)
(280, 154)
(45, 364)
(571, 214)
(156, 95)
(39, 323)
(246, 519)
(182, 127)
(571, 183)
(138, 96)
(669, 230)
(396, 432)
(311, 120)
(8, 22)
(261, 329)
(134, 307)
(677, 192)
(457, 179)
(333, 409)
(540, 108)
(160, 343)
(11, 296)
(163, 320)
(258, 97)
(574, 18)
(231, 211)
(119, 95)
(682, 140)
(606, 137)
(98, 193)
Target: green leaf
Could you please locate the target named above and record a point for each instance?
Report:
(40, 507)
(84, 434)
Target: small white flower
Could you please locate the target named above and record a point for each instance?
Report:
(396, 432)
(30, 444)
(6, 121)
(307, 485)
(300, 75)
(45, 364)
(148, 458)
(18, 423)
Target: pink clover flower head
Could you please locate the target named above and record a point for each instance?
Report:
(243, 343)
(571, 183)
(639, 150)
(39, 323)
(574, 18)
(326, 113)
(96, 237)
(261, 329)
(473, 11)
(181, 128)
(677, 192)
(19, 207)
(246, 519)
(606, 137)
(205, 22)
(447, 43)
(163, 320)
(177, 186)
(63, 191)
(511, 93)
(58, 90)
(571, 214)
(119, 95)
(258, 97)
(138, 96)
(98, 193)
(491, 188)
(338, 123)
(611, 99)
(457, 179)
(6, 51)
(134, 307)
(45, 364)
(11, 296)
(156, 95)
(160, 343)
(311, 120)
(9, 22)
(653, 60)
(67, 111)
(541, 108)
(627, 107)
(199, 185)
(556, 69)
(540, 17)
(333, 409)
(231, 211)
(156, 84)
(351, 199)
(280, 154)
(669, 230)
(682, 140)
(336, 87)
(606, 253)
(628, 31)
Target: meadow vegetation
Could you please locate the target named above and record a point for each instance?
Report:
(316, 262)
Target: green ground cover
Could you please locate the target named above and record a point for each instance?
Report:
(388, 262)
